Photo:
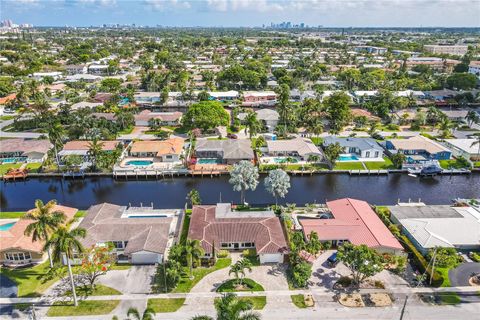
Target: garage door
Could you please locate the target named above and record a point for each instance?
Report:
(145, 258)
(271, 258)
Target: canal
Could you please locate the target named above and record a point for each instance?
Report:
(171, 193)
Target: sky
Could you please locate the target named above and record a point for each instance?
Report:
(244, 13)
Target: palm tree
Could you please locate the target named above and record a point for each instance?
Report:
(148, 314)
(252, 123)
(201, 318)
(229, 307)
(238, 269)
(95, 149)
(477, 141)
(45, 222)
(193, 251)
(56, 132)
(65, 243)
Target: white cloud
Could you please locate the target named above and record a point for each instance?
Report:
(162, 5)
(102, 3)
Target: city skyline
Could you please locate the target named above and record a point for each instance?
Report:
(243, 13)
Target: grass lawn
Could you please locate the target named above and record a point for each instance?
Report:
(249, 284)
(298, 300)
(5, 118)
(476, 164)
(355, 165)
(449, 298)
(444, 273)
(257, 302)
(28, 279)
(5, 167)
(80, 213)
(12, 215)
(387, 164)
(185, 226)
(317, 140)
(447, 164)
(121, 266)
(161, 305)
(34, 167)
(84, 308)
(127, 130)
(100, 290)
(186, 284)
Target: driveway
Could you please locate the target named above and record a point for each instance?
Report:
(324, 276)
(8, 289)
(137, 279)
(460, 275)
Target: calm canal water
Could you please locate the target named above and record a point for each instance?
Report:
(171, 193)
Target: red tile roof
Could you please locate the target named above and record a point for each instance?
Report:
(266, 233)
(14, 238)
(355, 221)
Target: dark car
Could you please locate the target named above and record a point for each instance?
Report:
(332, 260)
(232, 136)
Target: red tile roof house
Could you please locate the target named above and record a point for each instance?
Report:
(353, 221)
(238, 230)
(18, 249)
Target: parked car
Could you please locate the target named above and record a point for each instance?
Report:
(232, 136)
(332, 260)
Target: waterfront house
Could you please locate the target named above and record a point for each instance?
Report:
(301, 148)
(18, 249)
(430, 226)
(160, 118)
(139, 235)
(169, 150)
(21, 150)
(81, 148)
(259, 98)
(364, 148)
(220, 227)
(464, 148)
(418, 149)
(354, 221)
(223, 151)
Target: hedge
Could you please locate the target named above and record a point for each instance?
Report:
(421, 263)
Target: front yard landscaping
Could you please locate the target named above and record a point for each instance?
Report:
(257, 302)
(29, 280)
(84, 308)
(162, 305)
(299, 301)
(232, 285)
(186, 284)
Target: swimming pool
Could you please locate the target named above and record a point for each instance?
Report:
(11, 160)
(139, 163)
(347, 157)
(7, 226)
(284, 160)
(207, 161)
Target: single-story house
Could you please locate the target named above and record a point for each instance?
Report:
(85, 104)
(139, 235)
(90, 78)
(259, 98)
(25, 150)
(162, 118)
(18, 249)
(430, 226)
(456, 115)
(224, 151)
(168, 150)
(219, 227)
(224, 95)
(298, 147)
(72, 69)
(268, 117)
(98, 69)
(297, 95)
(81, 148)
(464, 148)
(418, 149)
(366, 148)
(352, 221)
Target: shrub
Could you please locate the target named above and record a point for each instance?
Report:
(475, 256)
(445, 257)
(222, 254)
(392, 126)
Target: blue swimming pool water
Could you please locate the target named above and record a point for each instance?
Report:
(347, 158)
(207, 161)
(139, 162)
(11, 160)
(7, 226)
(284, 160)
